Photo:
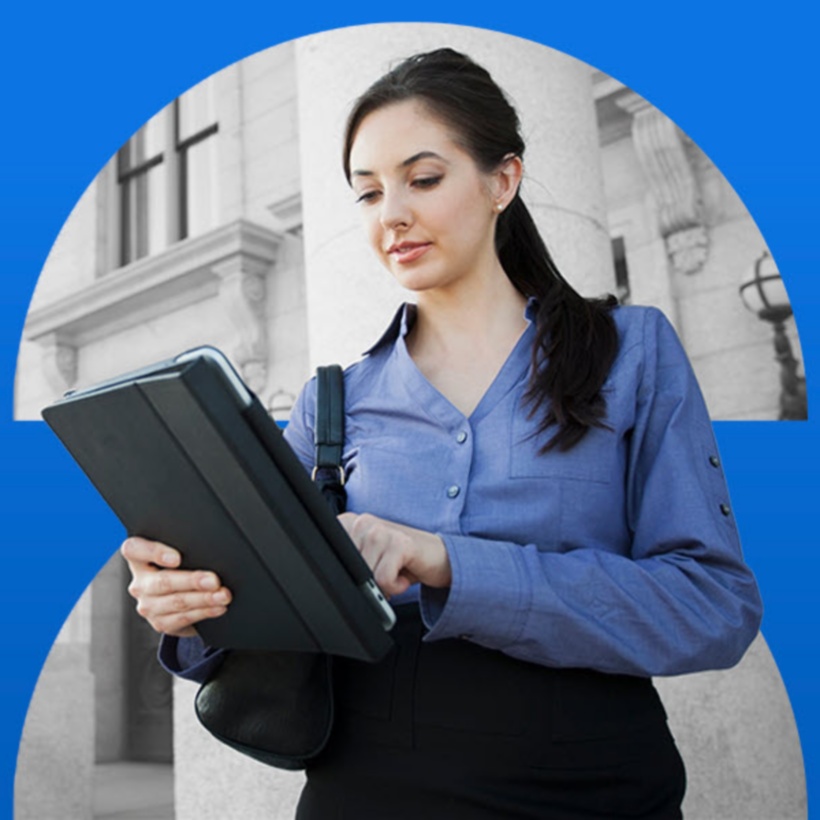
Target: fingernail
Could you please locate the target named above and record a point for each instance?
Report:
(169, 557)
(221, 597)
(208, 582)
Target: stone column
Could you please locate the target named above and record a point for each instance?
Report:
(736, 733)
(212, 782)
(350, 296)
(56, 757)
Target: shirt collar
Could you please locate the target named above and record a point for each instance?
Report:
(531, 310)
(400, 326)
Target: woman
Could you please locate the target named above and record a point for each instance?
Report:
(532, 477)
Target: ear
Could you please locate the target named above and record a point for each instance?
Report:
(505, 181)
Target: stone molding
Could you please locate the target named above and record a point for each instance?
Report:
(660, 149)
(287, 211)
(230, 263)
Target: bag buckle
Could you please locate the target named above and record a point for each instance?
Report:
(337, 466)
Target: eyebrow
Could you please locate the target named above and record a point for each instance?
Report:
(404, 163)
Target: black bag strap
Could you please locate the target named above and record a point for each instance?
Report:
(329, 435)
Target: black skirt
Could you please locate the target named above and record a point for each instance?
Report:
(449, 730)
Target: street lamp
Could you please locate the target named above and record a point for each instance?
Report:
(764, 293)
(280, 405)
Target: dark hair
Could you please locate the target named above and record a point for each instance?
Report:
(576, 339)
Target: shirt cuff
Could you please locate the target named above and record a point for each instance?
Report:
(489, 597)
(189, 658)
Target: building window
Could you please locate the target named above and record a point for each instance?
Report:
(141, 174)
(622, 289)
(195, 126)
(166, 176)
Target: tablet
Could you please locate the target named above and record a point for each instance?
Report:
(184, 453)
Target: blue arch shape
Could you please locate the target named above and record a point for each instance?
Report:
(78, 81)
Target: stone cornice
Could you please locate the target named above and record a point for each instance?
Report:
(229, 263)
(159, 284)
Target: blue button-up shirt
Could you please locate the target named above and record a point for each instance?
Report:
(620, 555)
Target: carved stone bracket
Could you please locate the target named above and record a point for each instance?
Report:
(59, 363)
(242, 292)
(660, 149)
(688, 249)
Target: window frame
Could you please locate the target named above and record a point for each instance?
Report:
(130, 246)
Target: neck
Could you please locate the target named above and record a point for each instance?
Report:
(486, 314)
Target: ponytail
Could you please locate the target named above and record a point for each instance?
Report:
(576, 340)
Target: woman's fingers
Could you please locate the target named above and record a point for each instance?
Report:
(142, 551)
(176, 611)
(181, 624)
(398, 555)
(176, 602)
(171, 600)
(161, 582)
(372, 541)
(390, 573)
(388, 553)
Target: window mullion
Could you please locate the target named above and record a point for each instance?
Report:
(174, 229)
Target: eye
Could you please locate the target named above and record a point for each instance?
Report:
(366, 196)
(426, 182)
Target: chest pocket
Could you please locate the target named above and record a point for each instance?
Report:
(592, 459)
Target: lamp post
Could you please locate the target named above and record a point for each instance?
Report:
(280, 405)
(764, 293)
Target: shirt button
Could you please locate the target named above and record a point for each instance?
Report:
(725, 509)
(461, 437)
(714, 461)
(453, 491)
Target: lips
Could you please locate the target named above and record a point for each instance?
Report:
(405, 252)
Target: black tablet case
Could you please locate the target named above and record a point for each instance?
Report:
(179, 461)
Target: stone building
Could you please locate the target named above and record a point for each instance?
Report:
(226, 220)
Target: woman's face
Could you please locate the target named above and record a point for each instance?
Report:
(428, 210)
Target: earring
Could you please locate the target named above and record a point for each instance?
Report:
(499, 207)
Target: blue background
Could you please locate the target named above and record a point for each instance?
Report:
(78, 80)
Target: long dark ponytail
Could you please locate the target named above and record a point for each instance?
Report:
(576, 339)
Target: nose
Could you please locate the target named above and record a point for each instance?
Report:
(395, 210)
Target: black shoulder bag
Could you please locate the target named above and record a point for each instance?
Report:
(277, 707)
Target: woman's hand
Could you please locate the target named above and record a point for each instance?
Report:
(171, 600)
(398, 555)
